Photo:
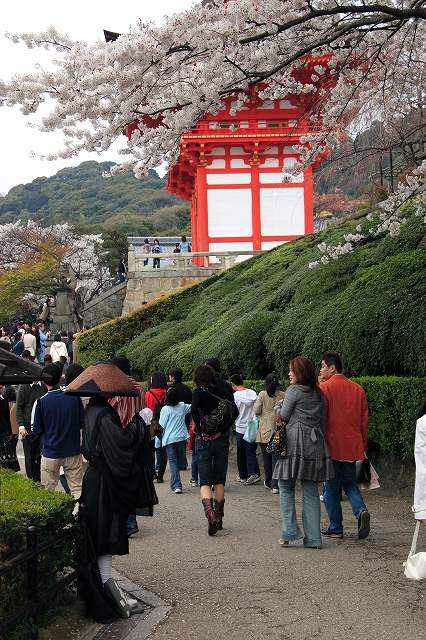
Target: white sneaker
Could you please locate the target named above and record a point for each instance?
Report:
(193, 483)
(178, 490)
(275, 491)
(238, 479)
(252, 479)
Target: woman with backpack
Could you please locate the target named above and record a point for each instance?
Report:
(154, 400)
(264, 408)
(213, 412)
(174, 435)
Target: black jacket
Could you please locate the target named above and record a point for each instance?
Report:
(184, 392)
(26, 395)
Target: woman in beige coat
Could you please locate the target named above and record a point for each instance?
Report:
(264, 408)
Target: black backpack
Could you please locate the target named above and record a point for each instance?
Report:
(221, 418)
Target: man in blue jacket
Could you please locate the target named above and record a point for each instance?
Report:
(58, 418)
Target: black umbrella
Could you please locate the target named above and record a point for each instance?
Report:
(17, 370)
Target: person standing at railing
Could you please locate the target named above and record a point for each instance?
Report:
(146, 250)
(156, 249)
(184, 246)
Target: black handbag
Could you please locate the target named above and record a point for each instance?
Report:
(8, 457)
(277, 445)
(363, 471)
(221, 418)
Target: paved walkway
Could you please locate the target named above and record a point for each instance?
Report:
(241, 585)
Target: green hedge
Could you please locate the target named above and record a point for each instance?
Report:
(393, 404)
(24, 503)
(109, 338)
(368, 305)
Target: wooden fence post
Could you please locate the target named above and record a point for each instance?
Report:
(32, 576)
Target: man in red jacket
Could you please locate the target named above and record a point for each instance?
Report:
(346, 436)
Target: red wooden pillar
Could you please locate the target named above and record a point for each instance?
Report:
(255, 208)
(202, 214)
(309, 200)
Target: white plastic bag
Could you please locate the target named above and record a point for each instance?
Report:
(415, 565)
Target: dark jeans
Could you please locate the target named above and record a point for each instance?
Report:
(161, 455)
(212, 460)
(246, 458)
(31, 445)
(156, 263)
(132, 522)
(344, 478)
(194, 465)
(269, 462)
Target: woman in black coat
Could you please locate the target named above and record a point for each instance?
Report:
(118, 480)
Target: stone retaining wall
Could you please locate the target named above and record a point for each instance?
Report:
(105, 307)
(144, 286)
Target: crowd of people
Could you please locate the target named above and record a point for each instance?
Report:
(153, 250)
(112, 450)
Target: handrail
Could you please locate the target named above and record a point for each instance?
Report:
(201, 254)
(33, 604)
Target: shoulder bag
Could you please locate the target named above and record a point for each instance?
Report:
(252, 428)
(221, 418)
(415, 565)
(277, 445)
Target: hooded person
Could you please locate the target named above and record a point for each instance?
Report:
(117, 481)
(127, 407)
(248, 467)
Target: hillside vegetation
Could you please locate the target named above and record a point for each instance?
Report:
(82, 196)
(368, 305)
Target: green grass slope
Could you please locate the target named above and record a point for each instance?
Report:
(368, 305)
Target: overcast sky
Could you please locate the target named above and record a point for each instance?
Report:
(81, 19)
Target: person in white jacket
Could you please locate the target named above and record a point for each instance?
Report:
(248, 467)
(30, 343)
(58, 349)
(419, 506)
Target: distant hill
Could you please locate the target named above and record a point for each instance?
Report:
(82, 196)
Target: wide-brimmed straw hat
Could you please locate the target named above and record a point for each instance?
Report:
(104, 380)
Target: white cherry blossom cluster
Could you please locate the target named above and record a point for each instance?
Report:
(188, 65)
(388, 219)
(23, 241)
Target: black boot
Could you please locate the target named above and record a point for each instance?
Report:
(219, 510)
(210, 515)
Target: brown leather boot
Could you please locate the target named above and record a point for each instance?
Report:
(210, 515)
(219, 510)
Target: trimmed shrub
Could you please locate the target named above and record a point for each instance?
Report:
(393, 404)
(107, 339)
(24, 503)
(368, 305)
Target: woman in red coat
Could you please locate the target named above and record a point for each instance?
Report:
(155, 397)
